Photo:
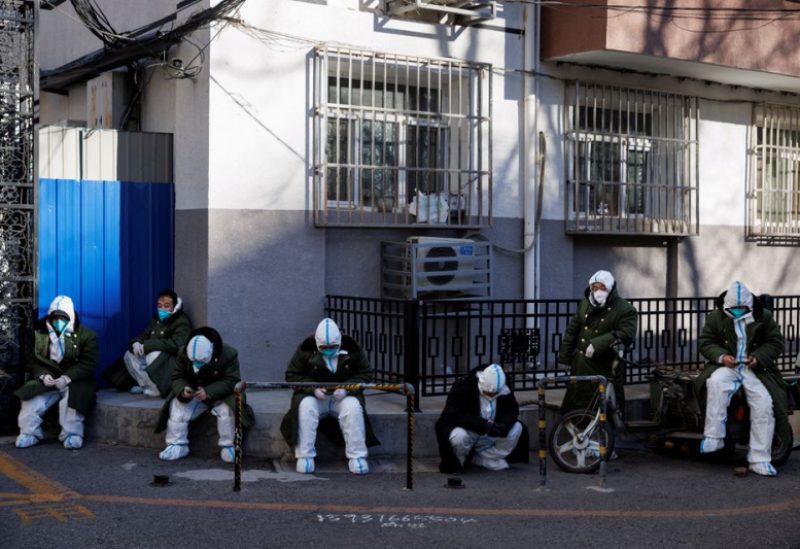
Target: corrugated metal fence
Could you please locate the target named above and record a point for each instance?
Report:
(106, 228)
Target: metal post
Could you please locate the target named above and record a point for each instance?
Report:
(410, 406)
(542, 434)
(411, 362)
(405, 388)
(238, 439)
(603, 433)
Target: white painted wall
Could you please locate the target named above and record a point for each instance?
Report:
(261, 96)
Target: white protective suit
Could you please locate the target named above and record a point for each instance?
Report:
(347, 409)
(30, 415)
(137, 364)
(490, 452)
(200, 351)
(724, 382)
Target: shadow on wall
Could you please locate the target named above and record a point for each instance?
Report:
(266, 285)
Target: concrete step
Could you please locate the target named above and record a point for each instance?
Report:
(128, 419)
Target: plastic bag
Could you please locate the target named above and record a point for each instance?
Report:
(433, 208)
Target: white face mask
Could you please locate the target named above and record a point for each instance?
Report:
(600, 297)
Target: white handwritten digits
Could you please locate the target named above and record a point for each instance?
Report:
(394, 520)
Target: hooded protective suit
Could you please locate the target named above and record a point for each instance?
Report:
(161, 342)
(62, 369)
(586, 344)
(329, 357)
(480, 418)
(741, 328)
(205, 362)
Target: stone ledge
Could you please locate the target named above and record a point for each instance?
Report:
(129, 419)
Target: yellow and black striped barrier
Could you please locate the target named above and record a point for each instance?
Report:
(541, 385)
(405, 388)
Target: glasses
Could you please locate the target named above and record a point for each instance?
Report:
(324, 347)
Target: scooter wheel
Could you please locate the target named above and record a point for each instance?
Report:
(782, 443)
(575, 442)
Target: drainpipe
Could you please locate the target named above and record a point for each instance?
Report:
(529, 124)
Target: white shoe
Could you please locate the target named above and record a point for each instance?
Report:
(491, 464)
(709, 444)
(26, 441)
(305, 465)
(152, 393)
(763, 468)
(358, 466)
(136, 390)
(73, 442)
(227, 454)
(174, 451)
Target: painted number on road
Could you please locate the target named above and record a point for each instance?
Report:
(393, 520)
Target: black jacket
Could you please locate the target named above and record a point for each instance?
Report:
(463, 409)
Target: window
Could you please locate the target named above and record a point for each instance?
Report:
(631, 161)
(400, 141)
(773, 197)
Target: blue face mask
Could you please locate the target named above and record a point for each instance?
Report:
(163, 314)
(330, 352)
(738, 312)
(59, 324)
(197, 365)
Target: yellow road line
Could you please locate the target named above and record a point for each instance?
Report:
(44, 490)
(468, 511)
(30, 479)
(47, 499)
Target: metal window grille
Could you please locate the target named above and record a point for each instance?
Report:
(773, 195)
(400, 140)
(18, 98)
(631, 161)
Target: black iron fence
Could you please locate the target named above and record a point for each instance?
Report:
(431, 343)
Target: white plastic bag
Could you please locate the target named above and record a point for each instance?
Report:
(433, 208)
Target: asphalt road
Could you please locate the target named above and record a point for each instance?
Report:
(102, 496)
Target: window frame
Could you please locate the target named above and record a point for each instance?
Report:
(774, 147)
(663, 126)
(448, 97)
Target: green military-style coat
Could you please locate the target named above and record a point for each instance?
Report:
(81, 356)
(307, 365)
(168, 337)
(599, 327)
(218, 378)
(764, 341)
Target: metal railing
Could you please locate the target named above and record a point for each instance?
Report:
(430, 344)
(631, 158)
(18, 106)
(400, 140)
(773, 185)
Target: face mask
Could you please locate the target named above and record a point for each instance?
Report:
(330, 351)
(600, 297)
(59, 324)
(738, 312)
(197, 365)
(163, 314)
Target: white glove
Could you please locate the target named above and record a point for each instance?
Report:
(320, 394)
(339, 394)
(48, 380)
(589, 351)
(62, 382)
(138, 349)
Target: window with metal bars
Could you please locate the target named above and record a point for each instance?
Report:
(400, 141)
(773, 197)
(631, 159)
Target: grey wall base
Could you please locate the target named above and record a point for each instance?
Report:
(127, 419)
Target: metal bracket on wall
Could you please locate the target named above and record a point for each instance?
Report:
(464, 12)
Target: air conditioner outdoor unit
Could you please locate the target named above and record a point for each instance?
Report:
(438, 268)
